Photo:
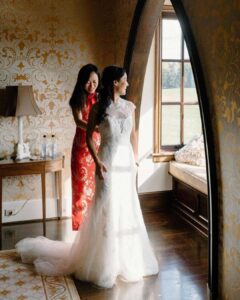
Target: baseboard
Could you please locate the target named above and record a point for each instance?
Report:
(155, 201)
(35, 221)
(31, 210)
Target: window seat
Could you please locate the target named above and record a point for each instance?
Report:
(194, 176)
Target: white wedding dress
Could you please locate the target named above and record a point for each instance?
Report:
(113, 242)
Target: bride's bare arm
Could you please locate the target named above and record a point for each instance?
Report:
(134, 140)
(92, 123)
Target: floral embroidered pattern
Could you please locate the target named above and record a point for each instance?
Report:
(83, 173)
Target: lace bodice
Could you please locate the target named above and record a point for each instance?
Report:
(118, 123)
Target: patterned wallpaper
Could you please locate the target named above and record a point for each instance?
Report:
(44, 43)
(216, 28)
(41, 45)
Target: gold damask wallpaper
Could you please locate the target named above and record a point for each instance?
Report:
(216, 27)
(44, 43)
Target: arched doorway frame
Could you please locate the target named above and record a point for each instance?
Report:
(141, 33)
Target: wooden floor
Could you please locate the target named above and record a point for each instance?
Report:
(181, 252)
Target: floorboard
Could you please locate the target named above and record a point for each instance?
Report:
(182, 254)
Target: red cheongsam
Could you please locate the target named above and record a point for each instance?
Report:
(83, 169)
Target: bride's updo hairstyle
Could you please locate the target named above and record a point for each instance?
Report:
(109, 75)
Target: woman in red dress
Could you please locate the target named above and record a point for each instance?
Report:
(82, 164)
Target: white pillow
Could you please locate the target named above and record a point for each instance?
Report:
(193, 152)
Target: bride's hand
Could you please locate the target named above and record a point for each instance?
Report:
(100, 170)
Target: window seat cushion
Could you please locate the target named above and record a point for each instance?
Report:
(194, 176)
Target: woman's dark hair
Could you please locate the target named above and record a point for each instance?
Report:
(109, 74)
(78, 98)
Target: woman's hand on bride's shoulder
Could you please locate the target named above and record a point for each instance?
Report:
(100, 170)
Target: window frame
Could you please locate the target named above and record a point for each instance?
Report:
(166, 152)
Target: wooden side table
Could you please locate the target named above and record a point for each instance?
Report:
(30, 167)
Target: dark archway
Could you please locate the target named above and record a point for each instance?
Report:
(139, 42)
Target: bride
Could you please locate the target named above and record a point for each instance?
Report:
(113, 242)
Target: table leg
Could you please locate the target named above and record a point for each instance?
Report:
(43, 179)
(58, 182)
